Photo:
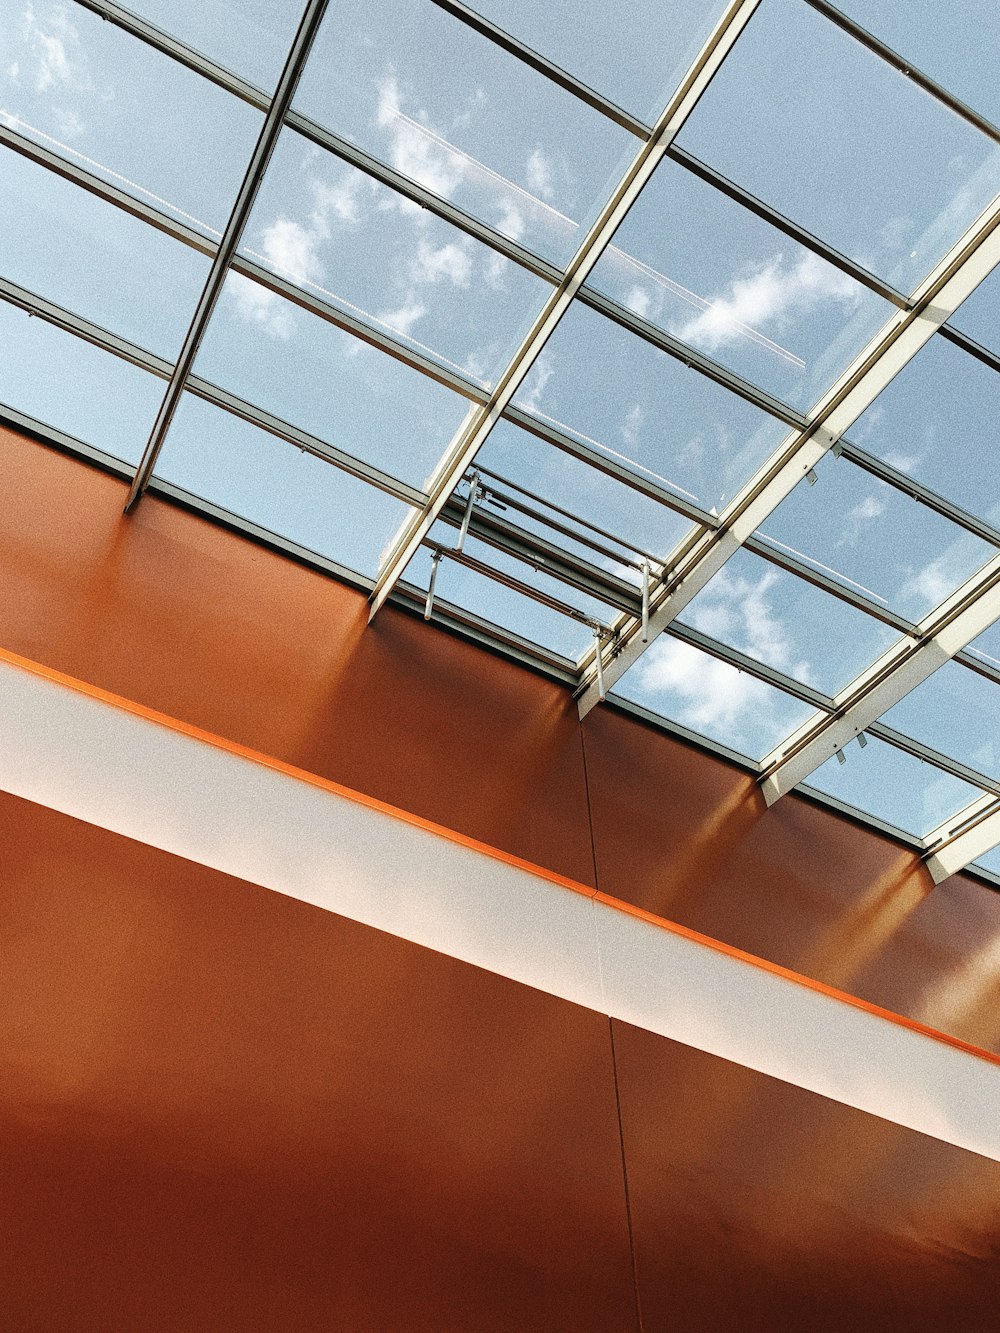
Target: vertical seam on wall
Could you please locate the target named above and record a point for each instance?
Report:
(614, 1061)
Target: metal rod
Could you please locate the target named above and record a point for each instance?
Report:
(270, 130)
(645, 601)
(599, 660)
(429, 604)
(474, 493)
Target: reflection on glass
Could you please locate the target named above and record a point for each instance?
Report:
(956, 44)
(979, 315)
(822, 129)
(255, 476)
(92, 93)
(89, 257)
(712, 698)
(875, 540)
(645, 409)
(421, 91)
(892, 785)
(252, 41)
(694, 263)
(932, 422)
(784, 622)
(361, 246)
(303, 369)
(93, 395)
(635, 52)
(651, 528)
(957, 712)
(506, 607)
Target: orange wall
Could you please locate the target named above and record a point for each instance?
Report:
(222, 1109)
(176, 613)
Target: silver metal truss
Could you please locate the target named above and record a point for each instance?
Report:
(308, 27)
(964, 615)
(469, 439)
(935, 300)
(964, 838)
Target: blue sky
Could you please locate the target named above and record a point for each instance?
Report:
(858, 155)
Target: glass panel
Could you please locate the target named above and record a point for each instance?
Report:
(635, 52)
(957, 712)
(712, 698)
(583, 490)
(90, 257)
(934, 421)
(699, 266)
(990, 861)
(365, 248)
(253, 42)
(96, 95)
(874, 539)
(100, 399)
(305, 370)
(420, 90)
(643, 408)
(956, 44)
(979, 315)
(505, 607)
(808, 119)
(251, 474)
(987, 645)
(893, 786)
(786, 623)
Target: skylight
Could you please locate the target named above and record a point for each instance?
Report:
(660, 352)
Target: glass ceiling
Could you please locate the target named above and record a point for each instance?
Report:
(654, 344)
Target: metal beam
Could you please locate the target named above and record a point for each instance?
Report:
(469, 439)
(935, 300)
(945, 632)
(273, 121)
(964, 838)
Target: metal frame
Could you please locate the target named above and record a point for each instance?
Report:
(942, 634)
(466, 445)
(925, 647)
(963, 839)
(308, 27)
(935, 300)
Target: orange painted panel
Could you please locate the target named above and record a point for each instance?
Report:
(758, 1206)
(194, 621)
(224, 1109)
(685, 835)
(172, 611)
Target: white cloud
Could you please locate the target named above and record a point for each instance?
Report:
(634, 419)
(638, 299)
(740, 612)
(450, 262)
(538, 379)
(770, 296)
(496, 272)
(904, 462)
(403, 319)
(708, 695)
(260, 306)
(53, 51)
(290, 249)
(865, 511)
(414, 149)
(538, 174)
(510, 220)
